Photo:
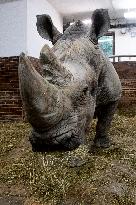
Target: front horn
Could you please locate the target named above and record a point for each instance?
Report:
(43, 102)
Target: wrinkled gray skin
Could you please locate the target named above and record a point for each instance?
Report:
(78, 83)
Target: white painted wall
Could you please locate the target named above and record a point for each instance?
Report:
(125, 44)
(12, 28)
(18, 32)
(34, 41)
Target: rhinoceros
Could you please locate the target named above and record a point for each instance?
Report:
(78, 83)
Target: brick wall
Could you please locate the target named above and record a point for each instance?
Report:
(10, 100)
(127, 74)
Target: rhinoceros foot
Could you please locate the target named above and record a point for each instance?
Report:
(102, 141)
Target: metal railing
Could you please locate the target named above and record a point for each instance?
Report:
(118, 58)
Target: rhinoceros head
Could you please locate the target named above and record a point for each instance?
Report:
(61, 103)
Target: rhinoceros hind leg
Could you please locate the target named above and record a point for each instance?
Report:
(105, 114)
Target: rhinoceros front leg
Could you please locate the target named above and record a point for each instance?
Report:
(105, 114)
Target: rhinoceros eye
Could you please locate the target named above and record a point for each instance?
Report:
(79, 96)
(93, 91)
(93, 88)
(85, 90)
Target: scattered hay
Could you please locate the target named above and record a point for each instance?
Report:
(80, 177)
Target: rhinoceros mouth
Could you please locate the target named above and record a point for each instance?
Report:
(43, 142)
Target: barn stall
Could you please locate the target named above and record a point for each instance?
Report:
(85, 175)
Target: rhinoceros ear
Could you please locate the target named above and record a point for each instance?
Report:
(46, 29)
(100, 24)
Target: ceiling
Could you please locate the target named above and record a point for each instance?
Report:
(6, 1)
(67, 7)
(75, 9)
